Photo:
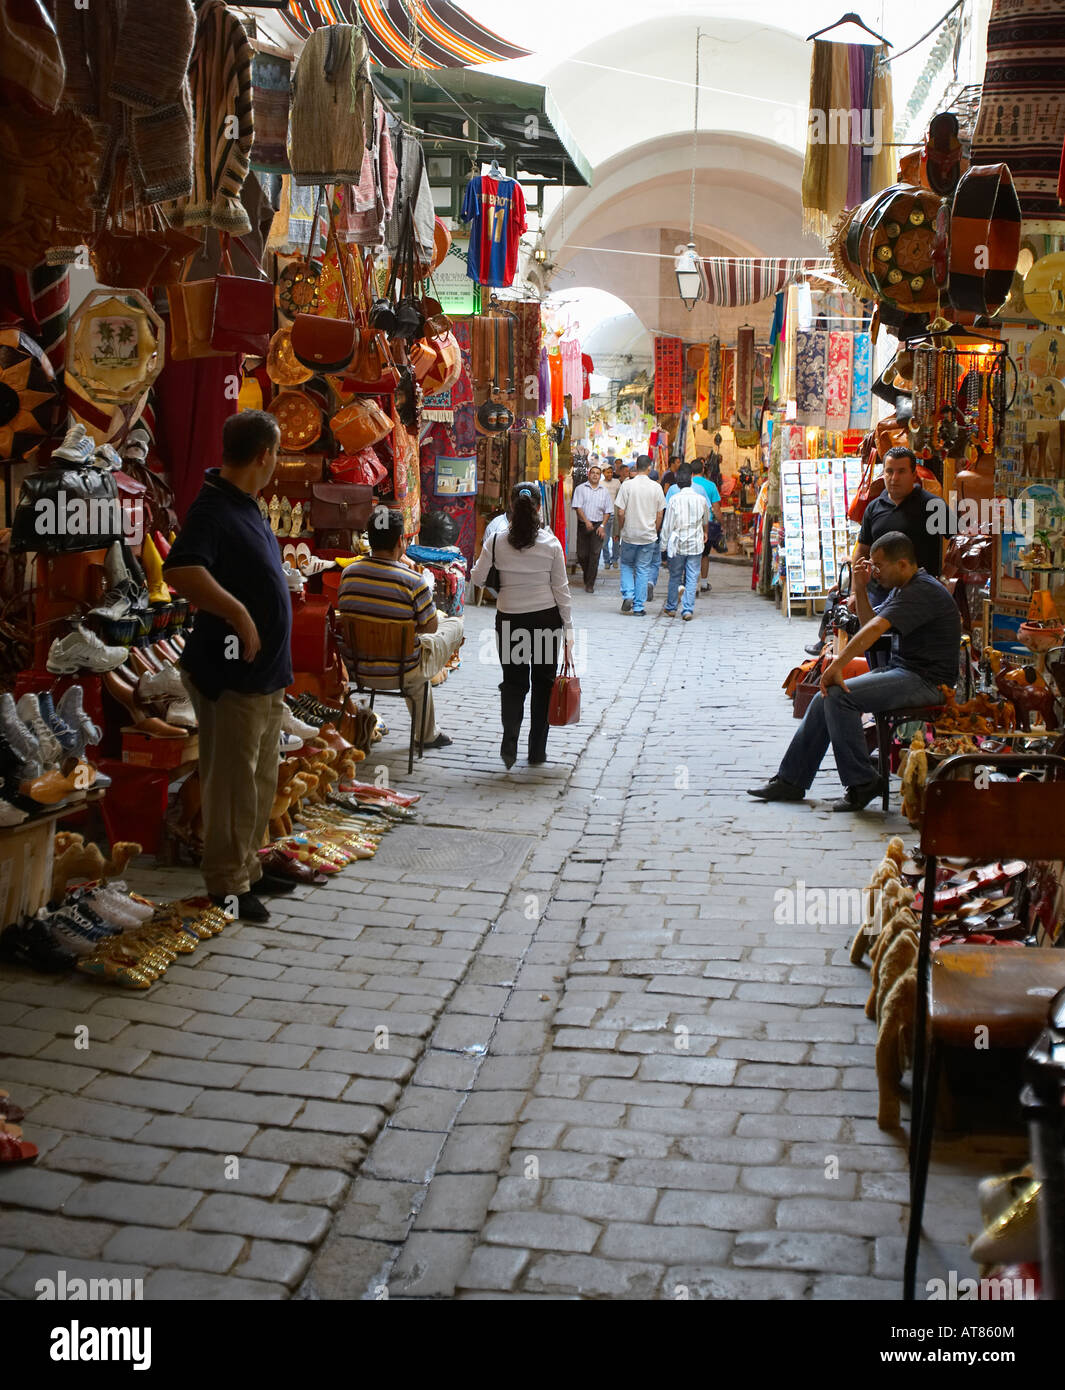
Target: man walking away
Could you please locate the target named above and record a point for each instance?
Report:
(641, 505)
(684, 533)
(594, 507)
(713, 498)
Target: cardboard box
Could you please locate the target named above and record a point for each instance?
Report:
(144, 751)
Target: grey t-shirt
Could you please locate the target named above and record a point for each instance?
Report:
(925, 629)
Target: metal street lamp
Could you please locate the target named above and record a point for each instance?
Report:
(690, 282)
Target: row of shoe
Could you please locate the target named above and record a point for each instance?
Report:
(42, 754)
(57, 937)
(283, 518)
(1009, 1208)
(136, 958)
(79, 447)
(299, 557)
(149, 687)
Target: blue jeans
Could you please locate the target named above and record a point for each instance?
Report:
(683, 569)
(838, 720)
(637, 571)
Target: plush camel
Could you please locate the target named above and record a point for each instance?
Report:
(886, 874)
(895, 961)
(896, 918)
(914, 778)
(75, 859)
(894, 1046)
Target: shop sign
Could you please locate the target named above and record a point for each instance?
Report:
(458, 294)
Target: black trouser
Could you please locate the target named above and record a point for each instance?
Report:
(589, 548)
(529, 647)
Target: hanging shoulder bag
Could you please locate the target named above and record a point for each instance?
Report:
(243, 316)
(565, 706)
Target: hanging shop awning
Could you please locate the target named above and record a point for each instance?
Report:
(462, 106)
(445, 36)
(738, 280)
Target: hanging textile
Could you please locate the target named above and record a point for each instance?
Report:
(446, 36)
(862, 381)
(850, 115)
(332, 107)
(1021, 122)
(742, 280)
(527, 353)
(572, 375)
(811, 365)
(744, 416)
(554, 364)
(728, 385)
(713, 382)
(495, 209)
(702, 388)
(669, 375)
(838, 380)
(271, 76)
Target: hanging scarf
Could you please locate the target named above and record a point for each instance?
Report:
(744, 379)
(669, 375)
(838, 379)
(862, 381)
(811, 364)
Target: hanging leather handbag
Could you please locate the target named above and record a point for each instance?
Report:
(362, 467)
(372, 371)
(46, 521)
(341, 506)
(382, 316)
(243, 317)
(192, 320)
(408, 397)
(294, 469)
(359, 425)
(318, 341)
(565, 705)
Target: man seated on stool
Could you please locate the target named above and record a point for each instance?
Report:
(384, 586)
(925, 628)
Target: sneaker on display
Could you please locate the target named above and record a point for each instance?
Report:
(161, 685)
(293, 578)
(292, 743)
(29, 711)
(181, 714)
(312, 565)
(105, 457)
(72, 711)
(77, 446)
(10, 815)
(290, 724)
(18, 738)
(82, 650)
(70, 739)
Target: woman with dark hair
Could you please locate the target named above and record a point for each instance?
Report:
(533, 619)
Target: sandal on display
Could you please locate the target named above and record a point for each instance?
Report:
(16, 1150)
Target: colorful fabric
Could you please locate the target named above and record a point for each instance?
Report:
(669, 375)
(554, 366)
(741, 280)
(744, 416)
(838, 379)
(1021, 121)
(861, 383)
(572, 374)
(220, 76)
(811, 364)
(271, 88)
(495, 209)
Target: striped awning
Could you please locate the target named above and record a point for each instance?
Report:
(445, 36)
(739, 280)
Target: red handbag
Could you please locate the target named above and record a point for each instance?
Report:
(565, 706)
(362, 467)
(243, 310)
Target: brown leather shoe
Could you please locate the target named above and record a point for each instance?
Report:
(279, 865)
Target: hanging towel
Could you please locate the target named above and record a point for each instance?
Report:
(838, 379)
(862, 381)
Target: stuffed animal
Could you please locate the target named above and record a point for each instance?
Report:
(894, 961)
(894, 1046)
(895, 902)
(75, 859)
(889, 870)
(914, 777)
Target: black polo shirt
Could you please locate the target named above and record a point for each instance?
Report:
(225, 534)
(917, 516)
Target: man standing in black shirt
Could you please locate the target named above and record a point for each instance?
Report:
(237, 662)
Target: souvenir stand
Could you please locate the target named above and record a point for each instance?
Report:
(153, 298)
(978, 398)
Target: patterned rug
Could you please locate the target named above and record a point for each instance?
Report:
(811, 365)
(1022, 107)
(838, 380)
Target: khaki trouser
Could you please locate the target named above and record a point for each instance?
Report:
(437, 650)
(240, 740)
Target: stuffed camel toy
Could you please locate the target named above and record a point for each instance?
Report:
(75, 859)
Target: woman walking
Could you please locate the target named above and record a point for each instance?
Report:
(533, 619)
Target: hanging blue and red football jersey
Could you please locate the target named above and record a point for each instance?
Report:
(496, 210)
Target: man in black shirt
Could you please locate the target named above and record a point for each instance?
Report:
(237, 662)
(925, 629)
(904, 506)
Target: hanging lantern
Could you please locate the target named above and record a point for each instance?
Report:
(691, 277)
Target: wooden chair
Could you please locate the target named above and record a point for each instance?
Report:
(964, 988)
(366, 641)
(886, 723)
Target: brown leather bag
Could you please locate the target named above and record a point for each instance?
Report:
(341, 506)
(359, 425)
(326, 345)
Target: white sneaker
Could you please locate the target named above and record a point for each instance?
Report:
(293, 579)
(77, 446)
(291, 743)
(291, 725)
(161, 685)
(10, 815)
(312, 565)
(30, 713)
(106, 458)
(82, 650)
(181, 713)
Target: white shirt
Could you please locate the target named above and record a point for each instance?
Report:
(530, 580)
(641, 500)
(497, 524)
(595, 502)
(687, 512)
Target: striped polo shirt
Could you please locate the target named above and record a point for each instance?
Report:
(381, 588)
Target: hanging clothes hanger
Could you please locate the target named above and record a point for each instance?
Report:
(495, 172)
(849, 18)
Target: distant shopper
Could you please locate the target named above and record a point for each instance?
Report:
(594, 507)
(610, 540)
(641, 505)
(533, 619)
(713, 497)
(684, 532)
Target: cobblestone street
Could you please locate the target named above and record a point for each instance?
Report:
(609, 1072)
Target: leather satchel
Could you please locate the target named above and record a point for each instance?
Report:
(191, 320)
(299, 468)
(326, 345)
(243, 317)
(361, 467)
(341, 506)
(565, 706)
(45, 521)
(359, 425)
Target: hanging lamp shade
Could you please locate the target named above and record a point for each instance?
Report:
(691, 276)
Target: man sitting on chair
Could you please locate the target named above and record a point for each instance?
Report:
(385, 587)
(925, 628)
